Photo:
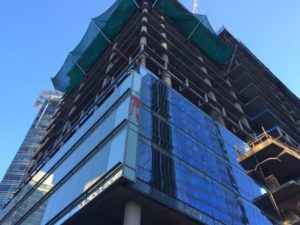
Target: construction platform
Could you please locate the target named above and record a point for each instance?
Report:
(274, 165)
(286, 198)
(269, 156)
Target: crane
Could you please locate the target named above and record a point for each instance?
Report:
(195, 6)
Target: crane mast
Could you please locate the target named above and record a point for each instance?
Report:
(195, 6)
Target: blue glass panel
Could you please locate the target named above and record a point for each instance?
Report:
(87, 144)
(202, 162)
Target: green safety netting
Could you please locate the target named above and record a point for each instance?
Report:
(100, 32)
(202, 36)
(205, 22)
(105, 27)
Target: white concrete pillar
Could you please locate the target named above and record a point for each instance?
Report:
(111, 63)
(132, 214)
(143, 40)
(166, 77)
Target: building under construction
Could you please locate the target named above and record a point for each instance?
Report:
(275, 165)
(155, 102)
(272, 158)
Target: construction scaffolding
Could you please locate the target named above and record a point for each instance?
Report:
(104, 29)
(267, 101)
(275, 165)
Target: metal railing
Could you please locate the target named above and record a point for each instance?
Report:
(260, 139)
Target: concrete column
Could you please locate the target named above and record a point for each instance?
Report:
(143, 40)
(111, 64)
(112, 55)
(143, 43)
(217, 117)
(166, 77)
(245, 122)
(132, 214)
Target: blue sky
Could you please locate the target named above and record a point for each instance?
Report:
(36, 36)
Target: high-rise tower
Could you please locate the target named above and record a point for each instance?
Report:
(46, 103)
(145, 133)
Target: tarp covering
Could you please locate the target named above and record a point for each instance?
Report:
(93, 44)
(105, 28)
(201, 36)
(205, 22)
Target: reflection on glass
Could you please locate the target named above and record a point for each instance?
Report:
(192, 159)
(31, 200)
(86, 187)
(98, 164)
(108, 124)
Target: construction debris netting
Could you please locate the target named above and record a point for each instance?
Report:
(104, 28)
(100, 32)
(201, 36)
(205, 22)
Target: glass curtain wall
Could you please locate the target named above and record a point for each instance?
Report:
(170, 150)
(17, 169)
(188, 161)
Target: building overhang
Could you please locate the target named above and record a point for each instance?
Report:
(285, 198)
(108, 208)
(271, 158)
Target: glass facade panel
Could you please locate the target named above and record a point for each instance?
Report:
(185, 155)
(18, 167)
(78, 181)
(86, 176)
(173, 151)
(246, 186)
(58, 172)
(84, 128)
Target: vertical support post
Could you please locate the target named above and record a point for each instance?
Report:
(110, 65)
(144, 29)
(132, 213)
(217, 117)
(166, 77)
